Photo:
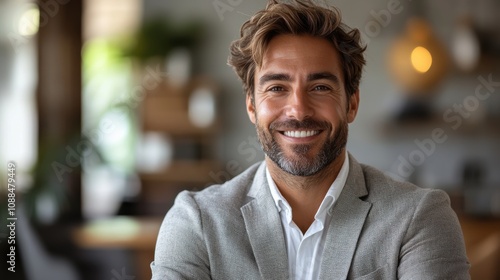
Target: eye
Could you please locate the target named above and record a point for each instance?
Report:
(321, 88)
(276, 88)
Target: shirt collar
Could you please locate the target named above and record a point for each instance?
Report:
(330, 197)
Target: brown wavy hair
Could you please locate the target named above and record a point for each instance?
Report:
(298, 17)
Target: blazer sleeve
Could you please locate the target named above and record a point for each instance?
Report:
(180, 248)
(433, 247)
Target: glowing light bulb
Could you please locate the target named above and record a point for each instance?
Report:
(421, 59)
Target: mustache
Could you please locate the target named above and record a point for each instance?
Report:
(292, 124)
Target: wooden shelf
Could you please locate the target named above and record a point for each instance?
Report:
(393, 127)
(184, 172)
(166, 109)
(175, 123)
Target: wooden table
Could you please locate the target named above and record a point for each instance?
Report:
(137, 234)
(482, 241)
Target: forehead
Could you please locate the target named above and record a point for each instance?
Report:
(301, 54)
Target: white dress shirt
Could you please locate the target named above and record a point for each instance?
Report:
(305, 251)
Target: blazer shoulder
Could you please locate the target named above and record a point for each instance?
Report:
(381, 186)
(231, 194)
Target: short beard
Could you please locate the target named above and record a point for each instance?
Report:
(301, 165)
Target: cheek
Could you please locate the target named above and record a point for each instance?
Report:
(341, 112)
(267, 110)
(333, 112)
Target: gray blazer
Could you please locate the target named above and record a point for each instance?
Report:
(380, 229)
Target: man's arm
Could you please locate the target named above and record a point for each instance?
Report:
(180, 249)
(433, 247)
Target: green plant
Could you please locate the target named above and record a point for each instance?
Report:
(158, 37)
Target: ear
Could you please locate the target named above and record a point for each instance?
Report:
(353, 106)
(250, 108)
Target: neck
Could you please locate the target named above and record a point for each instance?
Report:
(305, 194)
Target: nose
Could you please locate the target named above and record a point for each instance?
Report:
(299, 105)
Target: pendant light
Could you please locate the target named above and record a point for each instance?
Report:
(417, 59)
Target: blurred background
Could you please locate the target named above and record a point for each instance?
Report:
(109, 108)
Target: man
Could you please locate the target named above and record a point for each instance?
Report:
(310, 210)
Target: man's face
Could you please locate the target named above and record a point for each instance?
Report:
(300, 107)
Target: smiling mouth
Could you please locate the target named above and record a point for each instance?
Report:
(301, 133)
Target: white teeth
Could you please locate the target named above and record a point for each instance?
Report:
(301, 134)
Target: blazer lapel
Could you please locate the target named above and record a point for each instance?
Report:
(263, 225)
(348, 217)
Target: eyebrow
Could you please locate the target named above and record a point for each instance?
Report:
(287, 78)
(274, 77)
(323, 75)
